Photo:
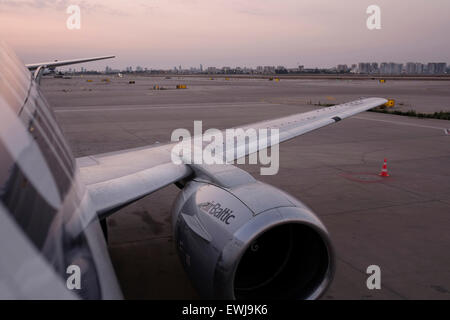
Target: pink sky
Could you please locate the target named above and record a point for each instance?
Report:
(168, 33)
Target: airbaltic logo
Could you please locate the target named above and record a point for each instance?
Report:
(216, 210)
(227, 147)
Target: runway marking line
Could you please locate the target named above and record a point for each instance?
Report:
(447, 131)
(150, 107)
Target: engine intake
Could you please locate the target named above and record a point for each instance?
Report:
(287, 262)
(251, 241)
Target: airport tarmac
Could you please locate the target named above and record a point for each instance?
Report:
(400, 223)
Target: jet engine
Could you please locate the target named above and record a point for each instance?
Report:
(239, 238)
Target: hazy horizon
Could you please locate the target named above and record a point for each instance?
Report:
(164, 34)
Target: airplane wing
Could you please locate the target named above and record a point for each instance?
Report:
(56, 63)
(117, 179)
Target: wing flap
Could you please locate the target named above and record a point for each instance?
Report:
(118, 178)
(109, 195)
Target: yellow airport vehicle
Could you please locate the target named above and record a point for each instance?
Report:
(89, 80)
(277, 79)
(382, 80)
(181, 86)
(390, 103)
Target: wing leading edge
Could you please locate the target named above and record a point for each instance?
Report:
(119, 178)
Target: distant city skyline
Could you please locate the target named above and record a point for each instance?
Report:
(383, 68)
(161, 34)
(343, 66)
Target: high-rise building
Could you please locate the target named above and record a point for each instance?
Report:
(384, 68)
(397, 68)
(431, 68)
(269, 69)
(436, 67)
(411, 68)
(342, 68)
(441, 67)
(391, 68)
(364, 68)
(419, 68)
(374, 67)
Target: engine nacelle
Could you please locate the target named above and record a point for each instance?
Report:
(250, 241)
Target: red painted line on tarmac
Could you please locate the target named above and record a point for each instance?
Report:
(359, 177)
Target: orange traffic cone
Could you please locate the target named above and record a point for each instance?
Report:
(384, 171)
